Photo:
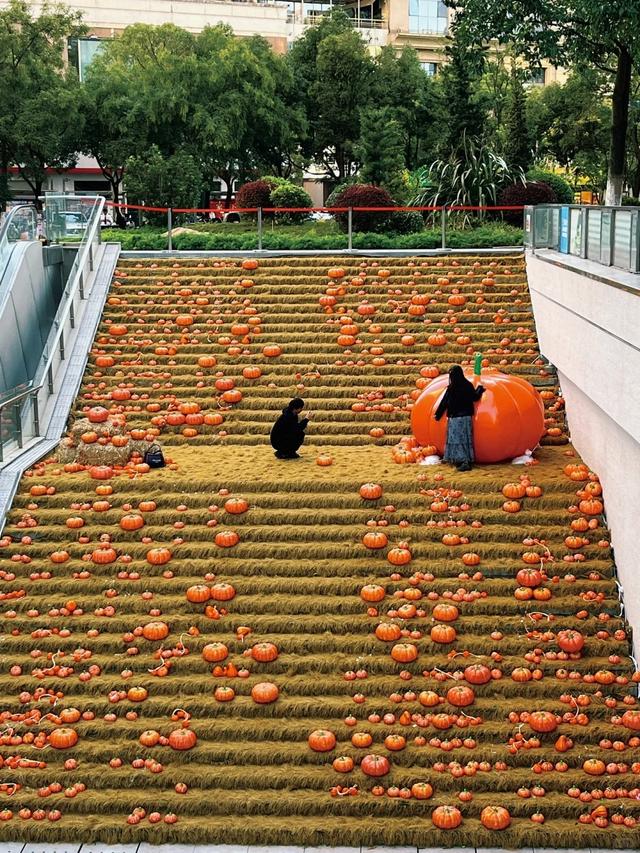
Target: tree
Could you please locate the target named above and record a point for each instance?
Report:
(47, 129)
(221, 98)
(517, 145)
(334, 75)
(381, 150)
(460, 78)
(413, 98)
(159, 180)
(571, 125)
(492, 93)
(30, 48)
(606, 35)
(244, 117)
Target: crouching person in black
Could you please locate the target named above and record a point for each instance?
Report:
(287, 434)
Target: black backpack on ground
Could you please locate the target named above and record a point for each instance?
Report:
(154, 457)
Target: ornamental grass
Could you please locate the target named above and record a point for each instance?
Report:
(79, 582)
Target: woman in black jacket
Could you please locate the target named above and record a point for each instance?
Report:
(287, 434)
(458, 402)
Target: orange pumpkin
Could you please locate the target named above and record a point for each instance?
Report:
(508, 420)
(264, 693)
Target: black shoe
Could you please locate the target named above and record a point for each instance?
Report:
(464, 467)
(279, 455)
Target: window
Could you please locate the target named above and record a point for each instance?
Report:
(430, 67)
(538, 76)
(428, 16)
(82, 53)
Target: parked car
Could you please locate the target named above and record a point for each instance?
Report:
(73, 223)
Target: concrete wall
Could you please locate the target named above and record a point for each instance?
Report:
(106, 18)
(590, 330)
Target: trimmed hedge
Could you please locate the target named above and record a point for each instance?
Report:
(529, 193)
(561, 187)
(484, 237)
(364, 195)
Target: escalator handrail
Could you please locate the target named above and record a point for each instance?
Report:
(72, 286)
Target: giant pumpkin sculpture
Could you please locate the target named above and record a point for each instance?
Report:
(508, 420)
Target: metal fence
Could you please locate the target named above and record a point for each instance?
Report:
(607, 235)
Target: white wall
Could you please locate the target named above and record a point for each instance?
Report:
(249, 18)
(590, 330)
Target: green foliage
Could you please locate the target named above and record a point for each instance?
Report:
(31, 77)
(414, 100)
(364, 195)
(381, 150)
(302, 64)
(571, 124)
(605, 36)
(562, 189)
(492, 91)
(473, 177)
(459, 78)
(521, 194)
(290, 195)
(173, 180)
(343, 73)
(406, 222)
(226, 100)
(226, 238)
(517, 145)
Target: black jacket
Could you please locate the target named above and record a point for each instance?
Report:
(288, 430)
(459, 402)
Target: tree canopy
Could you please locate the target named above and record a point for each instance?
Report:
(567, 32)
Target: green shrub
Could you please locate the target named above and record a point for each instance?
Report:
(521, 194)
(561, 187)
(630, 201)
(488, 235)
(406, 222)
(364, 195)
(290, 195)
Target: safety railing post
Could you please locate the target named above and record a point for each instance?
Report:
(170, 229)
(18, 418)
(36, 414)
(259, 229)
(443, 226)
(350, 228)
(532, 214)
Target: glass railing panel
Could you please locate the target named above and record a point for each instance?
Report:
(594, 236)
(622, 240)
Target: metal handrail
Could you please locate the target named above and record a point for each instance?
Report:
(4, 402)
(75, 284)
(75, 279)
(6, 222)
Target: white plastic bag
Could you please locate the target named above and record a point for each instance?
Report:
(431, 460)
(525, 459)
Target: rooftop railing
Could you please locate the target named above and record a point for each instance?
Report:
(606, 235)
